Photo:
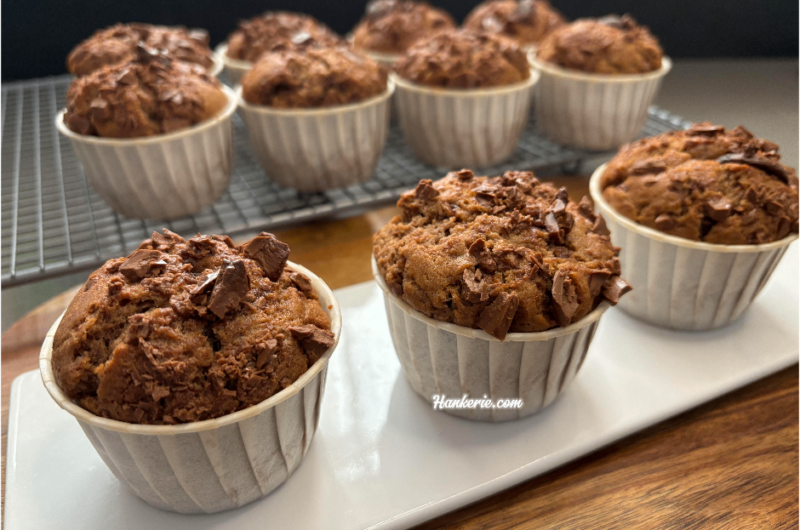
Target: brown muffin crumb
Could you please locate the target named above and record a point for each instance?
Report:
(392, 26)
(705, 184)
(503, 254)
(118, 43)
(153, 94)
(183, 331)
(464, 59)
(609, 45)
(526, 21)
(313, 78)
(276, 31)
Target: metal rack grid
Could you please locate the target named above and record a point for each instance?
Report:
(54, 224)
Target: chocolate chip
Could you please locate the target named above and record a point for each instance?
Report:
(488, 193)
(768, 166)
(773, 207)
(599, 227)
(586, 208)
(224, 239)
(597, 278)
(425, 190)
(665, 222)
(475, 290)
(625, 22)
(205, 282)
(718, 209)
(614, 288)
(496, 318)
(78, 123)
(784, 227)
(167, 239)
(704, 129)
(230, 288)
(616, 268)
(268, 347)
(300, 37)
(482, 255)
(565, 298)
(465, 175)
(751, 195)
(647, 167)
(127, 77)
(99, 109)
(141, 264)
(270, 254)
(553, 230)
(314, 341)
(302, 283)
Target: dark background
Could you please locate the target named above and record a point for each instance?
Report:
(38, 35)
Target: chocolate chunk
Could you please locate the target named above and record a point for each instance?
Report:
(768, 166)
(774, 207)
(302, 283)
(224, 239)
(314, 341)
(597, 278)
(199, 291)
(647, 167)
(496, 318)
(784, 227)
(718, 209)
(614, 288)
(615, 265)
(559, 205)
(230, 288)
(167, 239)
(751, 195)
(665, 222)
(599, 227)
(78, 123)
(465, 175)
(586, 208)
(625, 22)
(270, 254)
(704, 129)
(475, 290)
(141, 264)
(482, 255)
(553, 230)
(565, 298)
(425, 190)
(267, 348)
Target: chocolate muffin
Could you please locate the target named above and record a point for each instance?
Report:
(464, 59)
(526, 21)
(149, 95)
(183, 331)
(278, 30)
(392, 26)
(609, 45)
(501, 254)
(705, 184)
(319, 77)
(118, 43)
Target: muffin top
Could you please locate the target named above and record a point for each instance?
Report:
(183, 331)
(392, 26)
(500, 254)
(152, 94)
(526, 21)
(464, 59)
(609, 45)
(705, 184)
(278, 30)
(118, 43)
(317, 77)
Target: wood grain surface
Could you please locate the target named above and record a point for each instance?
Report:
(732, 463)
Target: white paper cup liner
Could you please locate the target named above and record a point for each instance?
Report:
(234, 68)
(440, 358)
(218, 65)
(319, 149)
(593, 111)
(457, 128)
(159, 177)
(683, 284)
(217, 464)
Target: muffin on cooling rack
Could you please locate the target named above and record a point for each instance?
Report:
(463, 97)
(183, 342)
(272, 31)
(153, 134)
(705, 215)
(526, 21)
(118, 44)
(502, 264)
(318, 118)
(390, 27)
(599, 76)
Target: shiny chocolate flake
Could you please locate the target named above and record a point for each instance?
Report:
(565, 298)
(475, 289)
(624, 22)
(315, 341)
(665, 222)
(553, 230)
(767, 165)
(230, 288)
(704, 129)
(599, 227)
(224, 239)
(425, 190)
(465, 175)
(597, 279)
(302, 282)
(266, 350)
(167, 239)
(496, 318)
(205, 283)
(647, 167)
(718, 209)
(141, 264)
(270, 254)
(482, 255)
(586, 208)
(614, 288)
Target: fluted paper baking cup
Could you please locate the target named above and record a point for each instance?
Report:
(593, 111)
(683, 284)
(161, 177)
(456, 128)
(319, 149)
(217, 67)
(217, 464)
(444, 359)
(234, 68)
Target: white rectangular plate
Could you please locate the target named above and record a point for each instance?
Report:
(382, 458)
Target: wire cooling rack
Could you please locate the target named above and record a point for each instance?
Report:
(54, 224)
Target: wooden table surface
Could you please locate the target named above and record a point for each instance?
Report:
(731, 463)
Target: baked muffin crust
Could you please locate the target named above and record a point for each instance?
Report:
(392, 26)
(705, 184)
(152, 94)
(183, 331)
(503, 254)
(318, 77)
(118, 43)
(526, 21)
(464, 59)
(276, 31)
(609, 45)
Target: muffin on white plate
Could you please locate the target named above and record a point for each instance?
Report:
(598, 78)
(318, 118)
(153, 135)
